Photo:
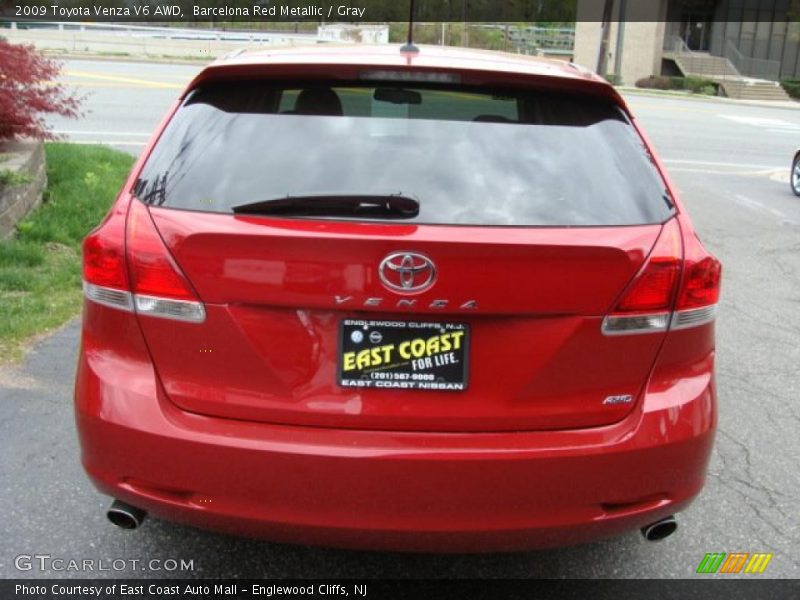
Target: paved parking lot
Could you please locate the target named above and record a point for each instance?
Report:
(730, 163)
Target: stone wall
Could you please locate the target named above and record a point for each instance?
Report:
(26, 158)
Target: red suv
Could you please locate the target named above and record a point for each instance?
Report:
(441, 300)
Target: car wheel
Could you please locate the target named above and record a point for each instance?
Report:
(795, 178)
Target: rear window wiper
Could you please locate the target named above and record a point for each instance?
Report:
(389, 206)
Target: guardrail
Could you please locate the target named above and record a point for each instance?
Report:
(552, 40)
(757, 68)
(140, 41)
(745, 66)
(169, 33)
(702, 64)
(676, 45)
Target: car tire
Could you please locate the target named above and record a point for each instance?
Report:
(794, 176)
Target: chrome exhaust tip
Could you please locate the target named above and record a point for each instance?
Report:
(124, 515)
(660, 529)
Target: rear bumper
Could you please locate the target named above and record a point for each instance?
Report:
(390, 490)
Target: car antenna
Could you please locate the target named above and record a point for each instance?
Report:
(409, 45)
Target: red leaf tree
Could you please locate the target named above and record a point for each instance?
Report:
(28, 91)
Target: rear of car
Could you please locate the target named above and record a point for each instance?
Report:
(438, 301)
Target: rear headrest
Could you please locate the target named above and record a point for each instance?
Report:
(318, 101)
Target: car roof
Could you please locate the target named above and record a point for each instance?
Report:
(391, 55)
(477, 67)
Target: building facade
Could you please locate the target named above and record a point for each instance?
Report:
(760, 38)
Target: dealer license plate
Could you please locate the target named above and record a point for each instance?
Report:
(406, 355)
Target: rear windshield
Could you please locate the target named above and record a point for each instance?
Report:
(468, 156)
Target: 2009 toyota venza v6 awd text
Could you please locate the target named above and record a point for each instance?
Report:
(435, 300)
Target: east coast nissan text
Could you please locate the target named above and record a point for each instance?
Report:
(442, 300)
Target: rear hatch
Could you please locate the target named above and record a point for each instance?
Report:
(481, 311)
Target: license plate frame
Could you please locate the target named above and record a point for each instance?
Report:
(399, 354)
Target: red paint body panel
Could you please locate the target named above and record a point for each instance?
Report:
(296, 262)
(390, 490)
(540, 299)
(238, 424)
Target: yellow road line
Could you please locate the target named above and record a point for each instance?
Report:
(124, 80)
(78, 84)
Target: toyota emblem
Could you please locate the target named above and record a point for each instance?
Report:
(407, 272)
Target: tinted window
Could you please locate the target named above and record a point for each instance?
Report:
(468, 156)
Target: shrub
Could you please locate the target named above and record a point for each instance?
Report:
(697, 85)
(654, 83)
(28, 92)
(12, 178)
(792, 87)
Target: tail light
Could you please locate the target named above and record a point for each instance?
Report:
(677, 287)
(128, 266)
(105, 274)
(159, 287)
(699, 293)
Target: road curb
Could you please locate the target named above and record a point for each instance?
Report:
(633, 91)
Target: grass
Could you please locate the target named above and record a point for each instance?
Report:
(40, 268)
(13, 178)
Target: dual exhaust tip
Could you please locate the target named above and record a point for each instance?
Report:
(660, 529)
(125, 516)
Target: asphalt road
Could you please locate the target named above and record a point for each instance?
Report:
(730, 163)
